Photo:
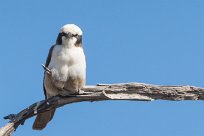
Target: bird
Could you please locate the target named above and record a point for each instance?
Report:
(67, 64)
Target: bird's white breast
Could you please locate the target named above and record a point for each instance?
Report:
(69, 62)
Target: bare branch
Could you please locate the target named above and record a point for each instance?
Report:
(101, 92)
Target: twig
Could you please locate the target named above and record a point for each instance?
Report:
(46, 69)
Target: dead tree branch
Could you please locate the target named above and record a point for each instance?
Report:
(101, 92)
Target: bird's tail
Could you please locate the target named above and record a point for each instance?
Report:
(42, 119)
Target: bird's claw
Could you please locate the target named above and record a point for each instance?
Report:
(80, 92)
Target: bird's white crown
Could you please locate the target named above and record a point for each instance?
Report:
(72, 28)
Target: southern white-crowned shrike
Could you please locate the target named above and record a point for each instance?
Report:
(67, 65)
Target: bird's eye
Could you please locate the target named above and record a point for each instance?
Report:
(64, 34)
(74, 35)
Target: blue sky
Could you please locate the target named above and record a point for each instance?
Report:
(157, 42)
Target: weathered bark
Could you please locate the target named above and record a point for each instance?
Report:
(100, 92)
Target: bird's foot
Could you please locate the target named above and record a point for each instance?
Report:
(81, 92)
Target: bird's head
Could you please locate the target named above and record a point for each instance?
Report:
(70, 35)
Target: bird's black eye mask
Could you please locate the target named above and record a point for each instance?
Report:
(69, 35)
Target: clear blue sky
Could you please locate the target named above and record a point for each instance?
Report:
(150, 41)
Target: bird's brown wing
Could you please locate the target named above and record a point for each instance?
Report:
(46, 65)
(43, 118)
